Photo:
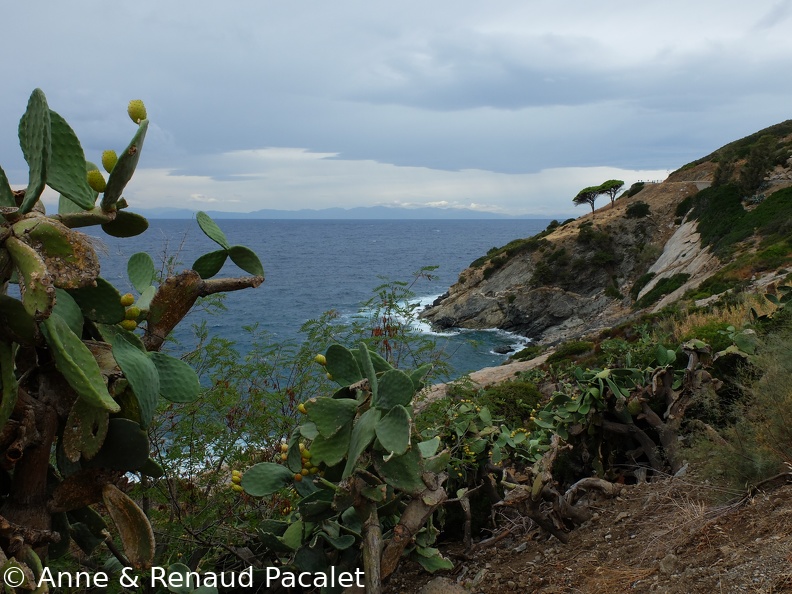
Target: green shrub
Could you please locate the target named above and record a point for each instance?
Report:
(512, 401)
(637, 210)
(724, 222)
(683, 207)
(588, 236)
(639, 284)
(713, 333)
(528, 353)
(774, 256)
(604, 258)
(543, 274)
(634, 189)
(570, 350)
(714, 285)
(663, 287)
(759, 444)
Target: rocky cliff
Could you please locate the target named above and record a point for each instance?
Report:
(644, 250)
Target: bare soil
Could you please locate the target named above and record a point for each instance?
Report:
(663, 536)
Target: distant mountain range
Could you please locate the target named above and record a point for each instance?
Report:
(361, 212)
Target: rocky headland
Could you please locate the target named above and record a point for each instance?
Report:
(596, 271)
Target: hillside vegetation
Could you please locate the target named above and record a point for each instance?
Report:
(686, 299)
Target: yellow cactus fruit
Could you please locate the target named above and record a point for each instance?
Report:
(284, 457)
(236, 479)
(314, 469)
(321, 359)
(127, 299)
(284, 448)
(236, 473)
(109, 160)
(305, 472)
(136, 110)
(329, 376)
(132, 313)
(298, 477)
(96, 180)
(128, 325)
(237, 488)
(301, 408)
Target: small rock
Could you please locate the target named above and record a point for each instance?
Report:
(668, 564)
(521, 547)
(442, 585)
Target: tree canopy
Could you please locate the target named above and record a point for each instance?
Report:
(611, 188)
(589, 195)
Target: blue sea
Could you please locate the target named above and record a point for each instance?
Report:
(313, 266)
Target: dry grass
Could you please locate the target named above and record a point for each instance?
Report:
(731, 315)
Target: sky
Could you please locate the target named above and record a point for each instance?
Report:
(509, 106)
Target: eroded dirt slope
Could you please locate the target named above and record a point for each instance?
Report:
(659, 537)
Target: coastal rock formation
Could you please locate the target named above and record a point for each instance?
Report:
(571, 278)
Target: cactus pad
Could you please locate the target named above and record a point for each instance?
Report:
(331, 450)
(362, 435)
(101, 303)
(342, 365)
(77, 364)
(35, 140)
(126, 224)
(212, 231)
(69, 257)
(402, 472)
(133, 527)
(330, 414)
(126, 447)
(85, 430)
(210, 264)
(393, 430)
(67, 166)
(141, 272)
(395, 388)
(67, 308)
(178, 381)
(124, 168)
(266, 478)
(246, 259)
(38, 293)
(140, 372)
(6, 195)
(367, 367)
(16, 324)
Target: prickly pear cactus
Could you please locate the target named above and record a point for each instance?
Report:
(80, 366)
(361, 470)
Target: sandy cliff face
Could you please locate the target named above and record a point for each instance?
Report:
(570, 280)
